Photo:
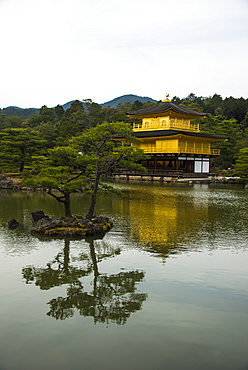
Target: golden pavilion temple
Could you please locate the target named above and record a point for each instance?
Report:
(174, 145)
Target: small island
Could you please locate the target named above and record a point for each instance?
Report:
(75, 226)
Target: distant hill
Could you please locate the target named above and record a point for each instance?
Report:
(126, 98)
(67, 105)
(121, 99)
(28, 112)
(20, 112)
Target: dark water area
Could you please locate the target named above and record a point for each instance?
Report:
(166, 288)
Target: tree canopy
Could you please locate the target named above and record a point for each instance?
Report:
(61, 173)
(80, 165)
(241, 168)
(56, 126)
(18, 145)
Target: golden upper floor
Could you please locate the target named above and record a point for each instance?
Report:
(166, 116)
(165, 123)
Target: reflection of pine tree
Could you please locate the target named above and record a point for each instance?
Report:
(112, 299)
(57, 272)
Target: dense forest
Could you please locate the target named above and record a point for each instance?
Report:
(24, 138)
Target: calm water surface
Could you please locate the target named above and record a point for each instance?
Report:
(166, 288)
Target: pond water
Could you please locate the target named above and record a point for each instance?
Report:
(166, 288)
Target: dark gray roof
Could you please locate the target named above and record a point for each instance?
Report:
(157, 133)
(163, 107)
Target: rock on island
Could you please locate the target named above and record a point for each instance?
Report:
(76, 226)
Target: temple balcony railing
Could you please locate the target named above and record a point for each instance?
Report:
(167, 126)
(186, 150)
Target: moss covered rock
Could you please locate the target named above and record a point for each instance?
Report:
(75, 226)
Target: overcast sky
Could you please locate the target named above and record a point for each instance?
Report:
(55, 51)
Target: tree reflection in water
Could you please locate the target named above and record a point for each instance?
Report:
(112, 299)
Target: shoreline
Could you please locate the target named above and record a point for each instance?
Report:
(14, 182)
(191, 180)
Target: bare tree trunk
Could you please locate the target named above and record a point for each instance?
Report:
(21, 166)
(65, 199)
(93, 197)
(67, 204)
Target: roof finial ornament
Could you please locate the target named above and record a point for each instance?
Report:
(167, 97)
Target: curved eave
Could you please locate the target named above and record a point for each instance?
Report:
(167, 133)
(165, 109)
(169, 112)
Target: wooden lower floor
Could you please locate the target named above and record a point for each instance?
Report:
(174, 165)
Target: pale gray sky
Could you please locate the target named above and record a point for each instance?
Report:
(54, 51)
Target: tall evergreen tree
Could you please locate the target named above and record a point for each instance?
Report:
(18, 145)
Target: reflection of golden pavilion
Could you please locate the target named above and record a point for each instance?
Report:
(172, 141)
(161, 225)
(161, 218)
